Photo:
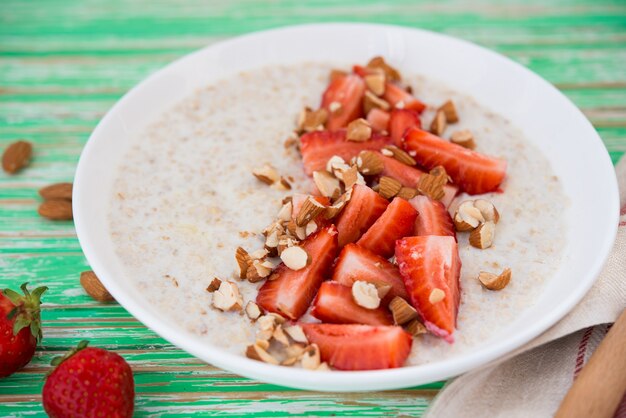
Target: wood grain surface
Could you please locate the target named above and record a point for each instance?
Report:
(63, 63)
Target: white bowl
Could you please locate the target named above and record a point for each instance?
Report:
(548, 119)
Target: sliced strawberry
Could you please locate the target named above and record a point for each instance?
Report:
(428, 263)
(394, 95)
(409, 177)
(360, 70)
(360, 347)
(334, 304)
(318, 146)
(364, 207)
(348, 91)
(356, 263)
(397, 221)
(475, 173)
(433, 217)
(378, 120)
(400, 121)
(297, 200)
(290, 292)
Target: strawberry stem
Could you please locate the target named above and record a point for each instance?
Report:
(60, 359)
(27, 310)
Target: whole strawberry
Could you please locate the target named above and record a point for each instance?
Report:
(20, 328)
(89, 382)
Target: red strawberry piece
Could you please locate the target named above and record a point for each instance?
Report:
(290, 292)
(89, 382)
(400, 121)
(20, 328)
(360, 347)
(364, 207)
(433, 217)
(356, 263)
(360, 70)
(318, 146)
(409, 177)
(431, 263)
(348, 92)
(297, 200)
(397, 221)
(396, 95)
(334, 304)
(378, 120)
(475, 173)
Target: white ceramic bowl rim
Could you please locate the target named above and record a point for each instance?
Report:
(397, 43)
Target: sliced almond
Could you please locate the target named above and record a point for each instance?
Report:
(389, 187)
(400, 155)
(371, 101)
(267, 174)
(470, 214)
(310, 209)
(376, 83)
(401, 310)
(214, 285)
(449, 110)
(436, 295)
(415, 328)
(227, 297)
(432, 184)
(463, 138)
(94, 288)
(57, 191)
(482, 237)
(295, 258)
(297, 334)
(379, 63)
(407, 193)
(311, 357)
(493, 281)
(335, 74)
(327, 184)
(252, 310)
(369, 163)
(16, 156)
(359, 130)
(438, 125)
(488, 210)
(280, 336)
(365, 294)
(256, 352)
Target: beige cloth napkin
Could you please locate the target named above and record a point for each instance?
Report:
(532, 381)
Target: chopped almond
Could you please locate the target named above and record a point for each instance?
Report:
(243, 261)
(327, 184)
(432, 184)
(334, 107)
(449, 110)
(415, 328)
(359, 130)
(267, 174)
(311, 357)
(379, 62)
(487, 210)
(482, 237)
(401, 310)
(436, 296)
(407, 193)
(369, 163)
(389, 187)
(468, 216)
(227, 297)
(252, 310)
(310, 120)
(280, 336)
(495, 281)
(334, 209)
(352, 177)
(438, 125)
(371, 101)
(376, 83)
(365, 294)
(399, 155)
(295, 258)
(256, 352)
(463, 138)
(311, 208)
(296, 333)
(214, 285)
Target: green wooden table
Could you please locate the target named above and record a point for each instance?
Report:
(63, 63)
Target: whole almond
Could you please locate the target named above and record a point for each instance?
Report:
(56, 209)
(57, 191)
(16, 156)
(94, 288)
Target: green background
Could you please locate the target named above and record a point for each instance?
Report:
(64, 63)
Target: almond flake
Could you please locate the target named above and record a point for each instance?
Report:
(267, 174)
(243, 260)
(297, 334)
(370, 163)
(487, 210)
(494, 281)
(327, 184)
(310, 209)
(311, 357)
(463, 138)
(280, 336)
(334, 107)
(252, 310)
(388, 187)
(359, 130)
(365, 294)
(399, 155)
(227, 297)
(415, 328)
(309, 120)
(379, 63)
(407, 193)
(438, 125)
(432, 184)
(335, 74)
(449, 110)
(214, 285)
(376, 83)
(371, 101)
(436, 296)
(256, 352)
(295, 258)
(482, 237)
(401, 310)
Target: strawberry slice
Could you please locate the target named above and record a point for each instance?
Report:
(290, 292)
(475, 173)
(397, 221)
(409, 177)
(318, 146)
(348, 91)
(433, 217)
(297, 200)
(378, 120)
(400, 121)
(334, 304)
(394, 95)
(360, 347)
(431, 263)
(364, 207)
(356, 263)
